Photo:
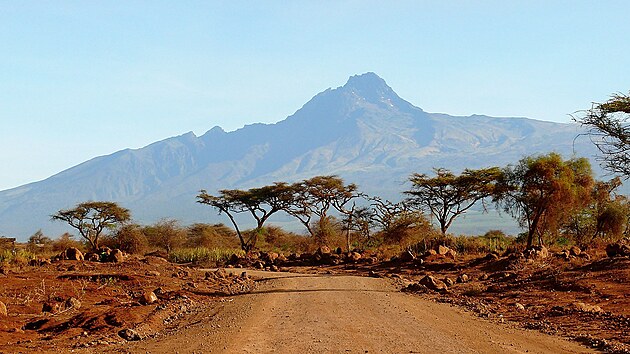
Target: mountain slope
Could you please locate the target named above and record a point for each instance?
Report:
(362, 131)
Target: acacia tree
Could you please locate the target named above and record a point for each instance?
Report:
(261, 203)
(447, 196)
(92, 218)
(609, 128)
(541, 192)
(316, 196)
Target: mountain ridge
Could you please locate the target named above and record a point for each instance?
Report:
(362, 131)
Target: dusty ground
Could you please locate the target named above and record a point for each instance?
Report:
(109, 300)
(296, 313)
(354, 307)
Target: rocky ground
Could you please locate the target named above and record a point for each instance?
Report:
(65, 305)
(88, 306)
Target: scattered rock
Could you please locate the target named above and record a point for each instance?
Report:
(585, 255)
(442, 250)
(116, 256)
(273, 268)
(407, 256)
(582, 307)
(448, 281)
(73, 254)
(322, 250)
(463, 278)
(373, 274)
(433, 283)
(354, 256)
(451, 254)
(483, 276)
(537, 252)
(3, 310)
(51, 307)
(129, 334)
(153, 273)
(431, 253)
(72, 303)
(617, 250)
(519, 306)
(575, 251)
(92, 257)
(338, 250)
(148, 298)
(491, 257)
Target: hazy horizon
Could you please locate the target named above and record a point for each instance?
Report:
(83, 79)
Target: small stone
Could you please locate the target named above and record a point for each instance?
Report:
(448, 281)
(433, 283)
(72, 303)
(442, 250)
(575, 251)
(116, 256)
(519, 306)
(129, 334)
(463, 278)
(148, 298)
(3, 309)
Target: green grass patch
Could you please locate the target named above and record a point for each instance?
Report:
(16, 256)
(202, 255)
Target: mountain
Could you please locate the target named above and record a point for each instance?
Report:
(362, 131)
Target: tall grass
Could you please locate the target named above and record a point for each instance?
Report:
(201, 255)
(17, 256)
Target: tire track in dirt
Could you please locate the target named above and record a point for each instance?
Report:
(293, 313)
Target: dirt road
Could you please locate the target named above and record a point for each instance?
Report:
(293, 313)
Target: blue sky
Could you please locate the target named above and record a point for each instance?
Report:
(79, 79)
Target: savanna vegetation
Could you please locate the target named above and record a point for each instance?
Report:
(554, 200)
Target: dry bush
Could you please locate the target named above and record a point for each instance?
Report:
(66, 241)
(128, 238)
(166, 234)
(274, 238)
(211, 236)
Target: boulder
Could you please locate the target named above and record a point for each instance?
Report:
(442, 250)
(433, 283)
(322, 250)
(354, 256)
(431, 253)
(73, 254)
(92, 257)
(3, 310)
(407, 256)
(148, 297)
(451, 254)
(129, 334)
(274, 268)
(575, 251)
(116, 256)
(617, 250)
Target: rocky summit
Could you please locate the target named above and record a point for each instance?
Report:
(362, 131)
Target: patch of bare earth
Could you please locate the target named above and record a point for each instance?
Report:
(67, 305)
